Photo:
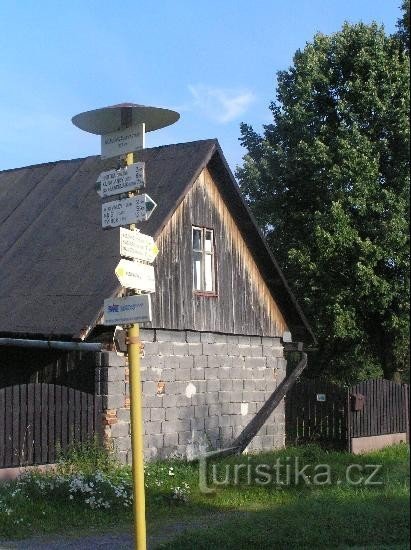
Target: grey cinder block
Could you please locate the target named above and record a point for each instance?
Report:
(200, 361)
(150, 348)
(197, 373)
(157, 414)
(147, 334)
(198, 399)
(156, 440)
(207, 337)
(211, 422)
(192, 336)
(180, 348)
(171, 413)
(152, 427)
(121, 429)
(211, 397)
(175, 426)
(197, 423)
(186, 362)
(255, 362)
(211, 373)
(213, 385)
(122, 443)
(238, 385)
(170, 440)
(195, 348)
(170, 335)
(109, 359)
(123, 415)
(183, 374)
(153, 401)
(201, 411)
(226, 385)
(113, 401)
(149, 388)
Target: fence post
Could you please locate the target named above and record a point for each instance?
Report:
(405, 389)
(348, 421)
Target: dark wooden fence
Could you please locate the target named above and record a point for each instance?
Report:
(384, 409)
(36, 420)
(315, 411)
(320, 412)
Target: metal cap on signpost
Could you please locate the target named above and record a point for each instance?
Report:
(122, 128)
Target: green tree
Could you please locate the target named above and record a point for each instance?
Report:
(328, 181)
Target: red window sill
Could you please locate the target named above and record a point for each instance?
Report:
(206, 294)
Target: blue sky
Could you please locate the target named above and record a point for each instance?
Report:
(214, 62)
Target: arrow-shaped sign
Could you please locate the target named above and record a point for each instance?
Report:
(127, 211)
(136, 245)
(136, 275)
(114, 182)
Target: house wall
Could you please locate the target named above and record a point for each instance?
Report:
(200, 389)
(243, 304)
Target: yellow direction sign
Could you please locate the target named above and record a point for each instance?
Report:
(136, 275)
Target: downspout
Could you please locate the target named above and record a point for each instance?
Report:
(50, 344)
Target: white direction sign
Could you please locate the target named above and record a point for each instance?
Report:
(114, 182)
(136, 275)
(136, 245)
(127, 211)
(128, 310)
(123, 141)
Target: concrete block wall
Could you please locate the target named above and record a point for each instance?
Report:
(199, 391)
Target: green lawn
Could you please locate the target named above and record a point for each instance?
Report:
(242, 514)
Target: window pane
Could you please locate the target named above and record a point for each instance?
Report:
(197, 239)
(208, 243)
(208, 272)
(197, 270)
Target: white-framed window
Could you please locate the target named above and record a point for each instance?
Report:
(203, 260)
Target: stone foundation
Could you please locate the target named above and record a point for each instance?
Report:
(199, 391)
(361, 445)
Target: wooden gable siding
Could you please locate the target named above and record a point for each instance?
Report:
(243, 304)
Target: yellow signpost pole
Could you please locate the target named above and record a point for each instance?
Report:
(108, 121)
(136, 422)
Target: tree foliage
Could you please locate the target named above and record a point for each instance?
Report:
(328, 181)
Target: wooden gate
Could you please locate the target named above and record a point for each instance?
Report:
(320, 412)
(316, 412)
(36, 420)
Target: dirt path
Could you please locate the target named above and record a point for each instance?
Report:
(114, 541)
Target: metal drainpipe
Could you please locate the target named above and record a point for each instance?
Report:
(50, 344)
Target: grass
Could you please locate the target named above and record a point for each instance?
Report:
(241, 514)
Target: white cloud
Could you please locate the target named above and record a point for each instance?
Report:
(220, 104)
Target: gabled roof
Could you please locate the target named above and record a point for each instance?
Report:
(57, 264)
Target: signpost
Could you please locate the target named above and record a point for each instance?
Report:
(128, 310)
(123, 141)
(136, 245)
(114, 182)
(122, 128)
(136, 275)
(127, 211)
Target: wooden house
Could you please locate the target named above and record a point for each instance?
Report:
(222, 308)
